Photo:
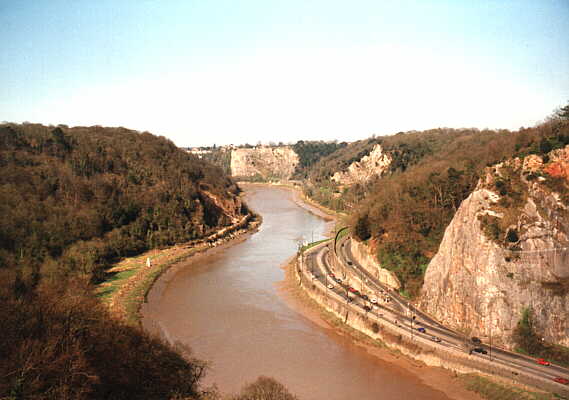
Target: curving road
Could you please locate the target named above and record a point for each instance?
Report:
(343, 276)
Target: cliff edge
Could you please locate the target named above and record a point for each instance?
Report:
(507, 250)
(264, 163)
(376, 163)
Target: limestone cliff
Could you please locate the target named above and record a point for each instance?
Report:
(364, 256)
(375, 163)
(264, 163)
(505, 250)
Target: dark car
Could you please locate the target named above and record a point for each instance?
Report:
(367, 308)
(349, 262)
(365, 297)
(479, 350)
(476, 340)
(421, 329)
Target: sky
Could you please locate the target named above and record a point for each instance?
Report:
(249, 71)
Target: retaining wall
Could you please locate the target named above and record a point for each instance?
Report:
(412, 345)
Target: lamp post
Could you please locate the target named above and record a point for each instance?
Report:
(491, 337)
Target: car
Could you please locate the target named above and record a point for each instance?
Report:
(349, 262)
(351, 290)
(542, 361)
(357, 292)
(330, 286)
(365, 297)
(421, 329)
(479, 350)
(331, 275)
(563, 381)
(367, 308)
(373, 300)
(338, 280)
(475, 340)
(436, 339)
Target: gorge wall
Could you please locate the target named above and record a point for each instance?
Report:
(263, 163)
(376, 163)
(507, 250)
(364, 256)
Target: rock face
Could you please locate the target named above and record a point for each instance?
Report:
(374, 164)
(264, 163)
(362, 255)
(496, 260)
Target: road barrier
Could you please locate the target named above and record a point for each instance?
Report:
(411, 344)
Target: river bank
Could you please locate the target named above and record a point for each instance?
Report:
(132, 279)
(451, 384)
(301, 200)
(222, 304)
(458, 385)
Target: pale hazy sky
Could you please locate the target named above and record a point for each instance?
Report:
(205, 72)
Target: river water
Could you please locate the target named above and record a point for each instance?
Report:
(226, 306)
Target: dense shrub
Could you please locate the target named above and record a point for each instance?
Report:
(71, 202)
(264, 388)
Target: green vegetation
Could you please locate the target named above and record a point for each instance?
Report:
(406, 212)
(492, 390)
(309, 152)
(220, 156)
(93, 195)
(61, 344)
(73, 201)
(530, 343)
(311, 245)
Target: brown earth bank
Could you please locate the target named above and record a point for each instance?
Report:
(133, 279)
(447, 382)
(301, 200)
(451, 385)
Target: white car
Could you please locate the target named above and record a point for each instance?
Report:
(373, 300)
(330, 286)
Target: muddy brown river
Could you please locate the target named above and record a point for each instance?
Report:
(227, 307)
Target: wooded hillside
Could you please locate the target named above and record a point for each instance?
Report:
(72, 201)
(405, 212)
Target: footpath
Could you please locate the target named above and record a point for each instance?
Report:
(133, 277)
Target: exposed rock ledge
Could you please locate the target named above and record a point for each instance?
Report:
(374, 164)
(480, 286)
(362, 255)
(265, 163)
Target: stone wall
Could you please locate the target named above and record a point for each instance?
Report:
(399, 338)
(362, 255)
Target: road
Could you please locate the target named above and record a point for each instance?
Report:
(345, 277)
